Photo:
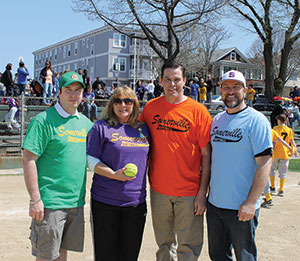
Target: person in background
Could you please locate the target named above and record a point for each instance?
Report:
(8, 81)
(251, 94)
(281, 154)
(86, 79)
(140, 90)
(296, 114)
(202, 91)
(48, 80)
(241, 140)
(118, 202)
(295, 93)
(97, 82)
(209, 88)
(194, 90)
(158, 90)
(268, 202)
(13, 113)
(179, 167)
(89, 105)
(56, 86)
(150, 90)
(2, 89)
(22, 77)
(54, 164)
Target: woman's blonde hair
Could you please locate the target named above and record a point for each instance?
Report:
(111, 118)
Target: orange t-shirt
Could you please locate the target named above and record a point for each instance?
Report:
(178, 132)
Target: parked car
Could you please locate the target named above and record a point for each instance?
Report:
(217, 103)
(262, 103)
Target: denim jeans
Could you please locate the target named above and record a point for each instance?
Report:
(47, 92)
(225, 232)
(22, 88)
(91, 111)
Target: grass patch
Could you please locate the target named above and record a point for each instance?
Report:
(294, 165)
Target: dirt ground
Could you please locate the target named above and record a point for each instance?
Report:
(278, 234)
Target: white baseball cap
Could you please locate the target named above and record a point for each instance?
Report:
(233, 75)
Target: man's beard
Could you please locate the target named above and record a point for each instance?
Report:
(233, 104)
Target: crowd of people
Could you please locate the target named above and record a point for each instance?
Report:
(195, 164)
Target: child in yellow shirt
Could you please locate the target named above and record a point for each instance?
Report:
(267, 191)
(281, 154)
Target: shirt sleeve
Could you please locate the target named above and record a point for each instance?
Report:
(261, 136)
(95, 141)
(37, 137)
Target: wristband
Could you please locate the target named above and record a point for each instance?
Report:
(32, 202)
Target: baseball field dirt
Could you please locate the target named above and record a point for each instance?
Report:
(278, 234)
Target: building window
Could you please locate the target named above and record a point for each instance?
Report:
(64, 68)
(69, 50)
(92, 72)
(293, 77)
(65, 52)
(55, 54)
(50, 55)
(59, 69)
(119, 40)
(46, 55)
(40, 59)
(75, 66)
(256, 74)
(83, 42)
(87, 43)
(228, 68)
(92, 49)
(119, 64)
(233, 56)
(76, 48)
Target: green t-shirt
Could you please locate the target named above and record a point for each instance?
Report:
(60, 144)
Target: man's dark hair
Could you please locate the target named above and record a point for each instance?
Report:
(21, 64)
(172, 65)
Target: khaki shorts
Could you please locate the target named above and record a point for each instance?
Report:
(62, 228)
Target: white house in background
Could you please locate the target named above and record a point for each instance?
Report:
(115, 57)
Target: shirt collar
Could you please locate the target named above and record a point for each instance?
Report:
(63, 113)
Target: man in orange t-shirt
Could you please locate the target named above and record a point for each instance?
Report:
(179, 167)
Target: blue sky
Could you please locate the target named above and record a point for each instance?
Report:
(27, 26)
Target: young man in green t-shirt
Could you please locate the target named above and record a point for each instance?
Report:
(54, 163)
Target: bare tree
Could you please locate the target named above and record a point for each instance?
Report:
(160, 21)
(264, 16)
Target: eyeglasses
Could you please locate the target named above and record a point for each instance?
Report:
(127, 101)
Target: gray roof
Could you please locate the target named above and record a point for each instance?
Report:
(219, 54)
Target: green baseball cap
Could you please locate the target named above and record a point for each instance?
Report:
(70, 77)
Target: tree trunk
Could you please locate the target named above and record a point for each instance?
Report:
(269, 70)
(285, 53)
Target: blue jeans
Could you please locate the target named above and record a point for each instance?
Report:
(225, 232)
(47, 92)
(195, 98)
(22, 88)
(91, 111)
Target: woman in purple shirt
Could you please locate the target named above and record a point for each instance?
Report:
(118, 202)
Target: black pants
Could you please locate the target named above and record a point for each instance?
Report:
(117, 231)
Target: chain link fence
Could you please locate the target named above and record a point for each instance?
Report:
(17, 112)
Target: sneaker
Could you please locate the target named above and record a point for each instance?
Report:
(281, 193)
(272, 189)
(267, 204)
(16, 125)
(9, 126)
